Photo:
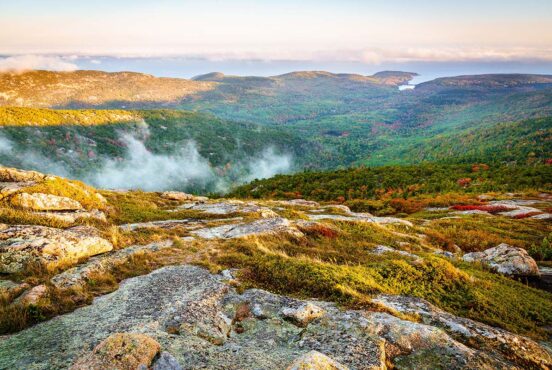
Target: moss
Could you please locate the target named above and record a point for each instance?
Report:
(139, 206)
(344, 270)
(19, 116)
(16, 317)
(475, 233)
(84, 194)
(13, 216)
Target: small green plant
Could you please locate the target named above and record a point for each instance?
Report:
(542, 252)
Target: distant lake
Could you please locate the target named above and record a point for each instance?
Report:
(407, 87)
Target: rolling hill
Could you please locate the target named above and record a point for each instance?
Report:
(319, 119)
(79, 89)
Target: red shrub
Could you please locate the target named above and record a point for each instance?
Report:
(464, 182)
(406, 205)
(321, 230)
(525, 215)
(482, 207)
(480, 167)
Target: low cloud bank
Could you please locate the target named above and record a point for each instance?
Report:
(20, 63)
(145, 170)
(267, 165)
(6, 146)
(184, 169)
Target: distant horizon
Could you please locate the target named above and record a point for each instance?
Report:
(185, 67)
(323, 31)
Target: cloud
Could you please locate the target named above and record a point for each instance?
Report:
(368, 55)
(267, 165)
(29, 62)
(145, 170)
(441, 54)
(6, 146)
(184, 169)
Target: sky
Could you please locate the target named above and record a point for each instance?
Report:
(266, 37)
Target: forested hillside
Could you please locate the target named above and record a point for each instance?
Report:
(178, 144)
(400, 181)
(303, 120)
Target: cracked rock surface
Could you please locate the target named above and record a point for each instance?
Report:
(200, 321)
(21, 245)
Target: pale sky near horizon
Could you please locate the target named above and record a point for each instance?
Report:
(369, 31)
(274, 36)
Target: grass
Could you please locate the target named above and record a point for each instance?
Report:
(12, 216)
(334, 261)
(475, 233)
(345, 271)
(15, 317)
(139, 206)
(47, 117)
(76, 190)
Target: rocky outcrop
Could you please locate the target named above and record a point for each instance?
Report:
(44, 202)
(182, 197)
(361, 217)
(13, 185)
(187, 223)
(381, 249)
(15, 175)
(300, 203)
(345, 214)
(495, 341)
(9, 188)
(506, 260)
(122, 351)
(315, 360)
(23, 245)
(518, 208)
(275, 225)
(10, 289)
(201, 322)
(74, 217)
(32, 296)
(303, 314)
(229, 207)
(101, 265)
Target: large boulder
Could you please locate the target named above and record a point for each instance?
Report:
(182, 197)
(493, 341)
(15, 175)
(23, 245)
(166, 361)
(204, 323)
(121, 351)
(9, 188)
(32, 296)
(303, 314)
(104, 264)
(506, 260)
(44, 202)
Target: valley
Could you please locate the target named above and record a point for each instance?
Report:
(229, 222)
(315, 120)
